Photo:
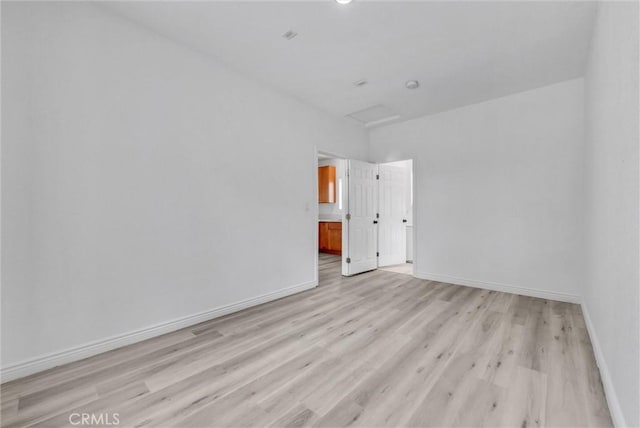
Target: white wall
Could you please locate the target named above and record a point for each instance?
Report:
(498, 189)
(143, 182)
(612, 282)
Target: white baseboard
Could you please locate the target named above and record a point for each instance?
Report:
(609, 391)
(543, 294)
(38, 364)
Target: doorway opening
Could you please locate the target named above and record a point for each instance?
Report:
(365, 215)
(331, 198)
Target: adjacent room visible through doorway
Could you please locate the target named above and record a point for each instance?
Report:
(365, 214)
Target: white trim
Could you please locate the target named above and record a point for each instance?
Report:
(533, 292)
(28, 367)
(609, 391)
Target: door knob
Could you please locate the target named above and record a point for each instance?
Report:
(404, 220)
(375, 221)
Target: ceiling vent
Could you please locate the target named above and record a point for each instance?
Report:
(374, 115)
(289, 35)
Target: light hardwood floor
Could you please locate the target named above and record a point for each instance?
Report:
(378, 349)
(405, 268)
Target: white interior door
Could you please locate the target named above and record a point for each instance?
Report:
(362, 205)
(393, 204)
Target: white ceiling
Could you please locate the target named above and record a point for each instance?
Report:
(461, 52)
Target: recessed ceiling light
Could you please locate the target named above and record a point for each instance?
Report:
(343, 1)
(412, 84)
(289, 34)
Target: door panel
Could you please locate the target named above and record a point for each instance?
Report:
(393, 194)
(362, 204)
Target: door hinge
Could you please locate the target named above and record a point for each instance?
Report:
(348, 216)
(348, 259)
(377, 254)
(377, 176)
(377, 215)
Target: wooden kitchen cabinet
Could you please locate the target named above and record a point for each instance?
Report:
(323, 236)
(330, 237)
(327, 184)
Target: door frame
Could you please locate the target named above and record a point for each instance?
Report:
(345, 238)
(414, 211)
